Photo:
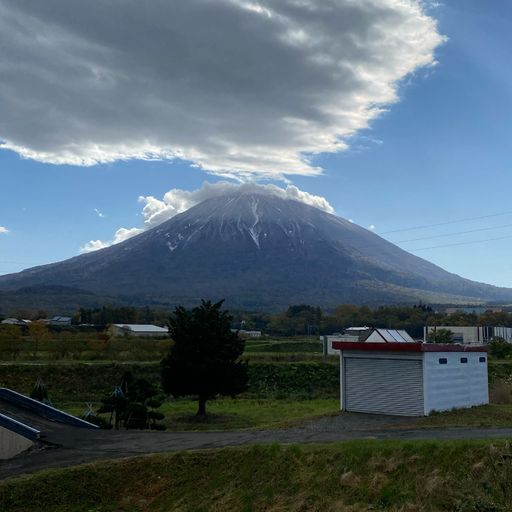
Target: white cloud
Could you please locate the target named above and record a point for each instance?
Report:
(156, 211)
(94, 245)
(120, 235)
(99, 213)
(3, 230)
(236, 87)
(371, 227)
(177, 201)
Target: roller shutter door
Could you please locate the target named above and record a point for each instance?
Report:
(385, 386)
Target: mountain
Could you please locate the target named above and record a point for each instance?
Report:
(258, 251)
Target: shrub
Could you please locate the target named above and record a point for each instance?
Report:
(499, 348)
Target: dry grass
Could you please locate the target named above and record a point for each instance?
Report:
(356, 476)
(501, 392)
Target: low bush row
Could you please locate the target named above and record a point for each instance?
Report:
(83, 382)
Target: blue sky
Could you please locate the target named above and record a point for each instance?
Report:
(440, 153)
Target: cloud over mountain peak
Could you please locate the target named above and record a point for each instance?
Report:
(176, 201)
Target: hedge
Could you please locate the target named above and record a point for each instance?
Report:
(83, 382)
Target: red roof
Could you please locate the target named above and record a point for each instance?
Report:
(405, 347)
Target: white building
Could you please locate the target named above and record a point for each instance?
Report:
(140, 330)
(16, 321)
(411, 379)
(366, 335)
(471, 334)
(247, 334)
(326, 340)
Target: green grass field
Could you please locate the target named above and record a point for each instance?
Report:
(349, 477)
(229, 414)
(232, 414)
(246, 413)
(236, 414)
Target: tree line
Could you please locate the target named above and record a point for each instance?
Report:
(300, 320)
(297, 320)
(204, 361)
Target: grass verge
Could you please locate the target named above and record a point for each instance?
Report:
(246, 413)
(356, 476)
(237, 414)
(492, 415)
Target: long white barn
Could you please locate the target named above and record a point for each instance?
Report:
(140, 330)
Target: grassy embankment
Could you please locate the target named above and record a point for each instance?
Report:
(354, 476)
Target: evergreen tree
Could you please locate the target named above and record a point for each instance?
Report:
(205, 358)
(131, 405)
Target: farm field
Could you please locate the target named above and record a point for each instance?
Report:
(285, 387)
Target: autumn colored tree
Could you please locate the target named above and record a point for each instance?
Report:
(10, 340)
(38, 332)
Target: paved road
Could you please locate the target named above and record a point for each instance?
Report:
(78, 446)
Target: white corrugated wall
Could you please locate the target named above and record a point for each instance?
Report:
(455, 384)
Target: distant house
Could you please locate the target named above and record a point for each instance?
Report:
(16, 321)
(59, 320)
(357, 331)
(247, 334)
(364, 335)
(139, 330)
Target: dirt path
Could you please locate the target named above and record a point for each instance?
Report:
(77, 446)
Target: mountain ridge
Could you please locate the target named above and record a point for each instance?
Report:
(258, 251)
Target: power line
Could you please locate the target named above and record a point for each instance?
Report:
(446, 223)
(454, 233)
(460, 243)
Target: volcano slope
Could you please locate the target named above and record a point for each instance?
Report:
(259, 252)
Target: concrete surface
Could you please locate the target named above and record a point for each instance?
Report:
(12, 444)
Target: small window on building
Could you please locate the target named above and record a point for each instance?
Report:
(463, 359)
(443, 360)
(482, 359)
